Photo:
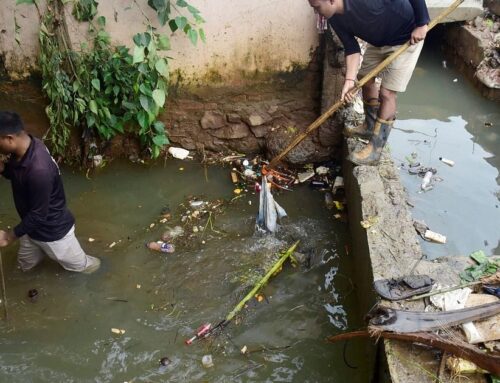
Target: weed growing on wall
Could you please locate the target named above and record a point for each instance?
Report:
(104, 89)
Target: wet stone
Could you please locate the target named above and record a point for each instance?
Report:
(212, 120)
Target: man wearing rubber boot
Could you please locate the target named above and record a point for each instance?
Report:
(385, 25)
(47, 227)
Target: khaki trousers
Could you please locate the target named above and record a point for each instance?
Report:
(66, 251)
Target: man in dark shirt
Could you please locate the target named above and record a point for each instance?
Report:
(385, 25)
(47, 227)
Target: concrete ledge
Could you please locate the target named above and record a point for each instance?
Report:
(466, 11)
(390, 248)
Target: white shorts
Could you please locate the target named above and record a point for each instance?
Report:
(397, 74)
(66, 251)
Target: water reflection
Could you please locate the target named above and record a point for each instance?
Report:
(441, 115)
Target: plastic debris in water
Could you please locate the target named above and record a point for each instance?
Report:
(33, 295)
(165, 361)
(447, 161)
(179, 153)
(269, 209)
(207, 361)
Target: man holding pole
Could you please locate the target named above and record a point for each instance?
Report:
(385, 25)
(47, 227)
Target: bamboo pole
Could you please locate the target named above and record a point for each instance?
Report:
(262, 282)
(320, 120)
(4, 291)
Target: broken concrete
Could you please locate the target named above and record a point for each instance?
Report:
(474, 48)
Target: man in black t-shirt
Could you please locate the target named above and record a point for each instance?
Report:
(47, 227)
(385, 25)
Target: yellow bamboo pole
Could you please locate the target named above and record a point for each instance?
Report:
(320, 120)
(262, 282)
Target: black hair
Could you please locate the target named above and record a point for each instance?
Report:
(10, 123)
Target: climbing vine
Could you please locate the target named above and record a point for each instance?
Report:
(104, 89)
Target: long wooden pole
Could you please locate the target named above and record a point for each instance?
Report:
(4, 291)
(320, 120)
(487, 361)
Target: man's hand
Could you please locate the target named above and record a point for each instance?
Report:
(348, 85)
(418, 34)
(6, 237)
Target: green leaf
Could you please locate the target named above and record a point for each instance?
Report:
(159, 127)
(181, 22)
(163, 43)
(159, 97)
(163, 16)
(90, 120)
(173, 25)
(25, 2)
(138, 54)
(143, 119)
(161, 67)
(479, 257)
(142, 39)
(145, 89)
(156, 4)
(128, 105)
(161, 140)
(118, 127)
(202, 35)
(193, 36)
(182, 3)
(193, 10)
(146, 103)
(96, 84)
(93, 106)
(156, 152)
(101, 20)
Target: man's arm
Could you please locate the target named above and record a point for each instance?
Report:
(421, 20)
(352, 53)
(351, 73)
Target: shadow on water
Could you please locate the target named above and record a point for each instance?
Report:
(442, 115)
(160, 300)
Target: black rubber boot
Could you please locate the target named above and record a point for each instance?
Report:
(370, 154)
(365, 130)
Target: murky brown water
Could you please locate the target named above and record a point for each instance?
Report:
(66, 335)
(442, 115)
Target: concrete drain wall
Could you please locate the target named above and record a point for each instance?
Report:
(390, 249)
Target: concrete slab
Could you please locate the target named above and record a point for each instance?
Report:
(468, 10)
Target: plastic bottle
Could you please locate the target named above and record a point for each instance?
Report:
(426, 182)
(447, 161)
(202, 331)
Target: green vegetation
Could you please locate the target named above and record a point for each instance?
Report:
(103, 89)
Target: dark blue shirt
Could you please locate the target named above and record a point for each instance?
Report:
(378, 22)
(39, 195)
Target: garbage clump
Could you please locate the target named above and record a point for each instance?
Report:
(160, 246)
